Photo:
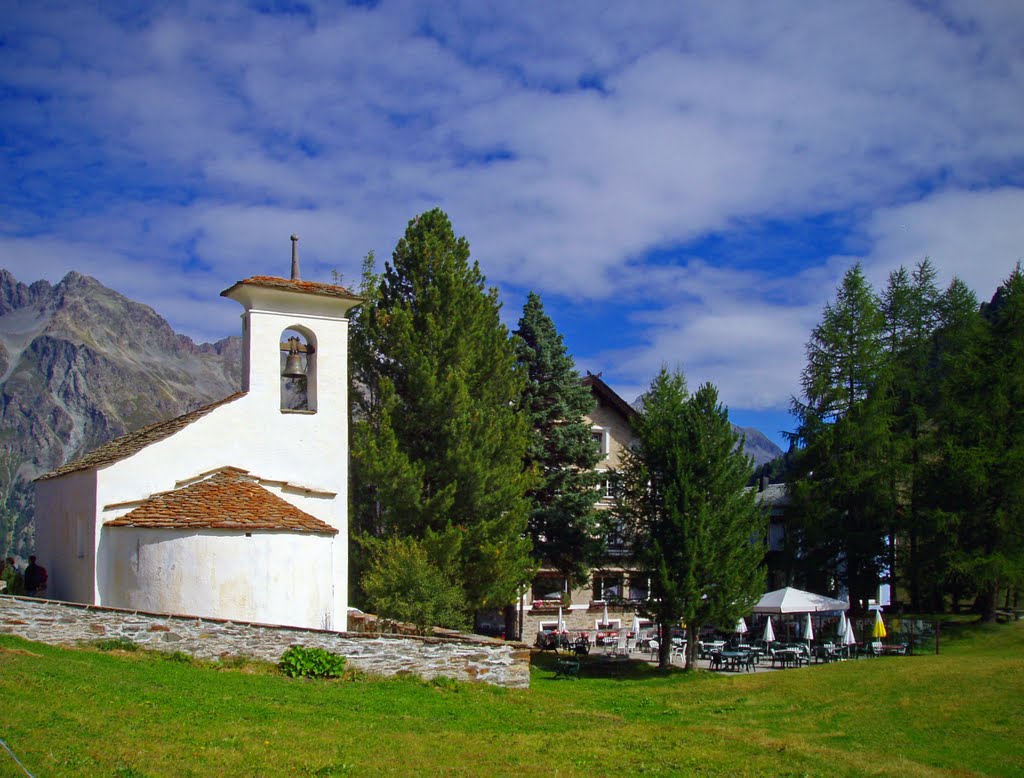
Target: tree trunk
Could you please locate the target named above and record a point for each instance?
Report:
(986, 602)
(511, 624)
(664, 646)
(692, 631)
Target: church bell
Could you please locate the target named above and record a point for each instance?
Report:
(293, 367)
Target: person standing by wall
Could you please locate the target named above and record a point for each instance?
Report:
(35, 578)
(10, 575)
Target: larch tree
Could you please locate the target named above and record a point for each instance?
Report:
(911, 309)
(843, 497)
(691, 522)
(561, 452)
(955, 479)
(993, 537)
(438, 444)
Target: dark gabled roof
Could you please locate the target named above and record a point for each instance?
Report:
(295, 285)
(231, 498)
(606, 393)
(132, 443)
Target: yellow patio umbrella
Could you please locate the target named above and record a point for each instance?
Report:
(878, 630)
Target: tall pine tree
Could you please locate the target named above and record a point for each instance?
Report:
(438, 444)
(562, 451)
(954, 472)
(691, 522)
(993, 539)
(844, 497)
(911, 308)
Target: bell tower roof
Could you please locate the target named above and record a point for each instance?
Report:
(293, 285)
(284, 295)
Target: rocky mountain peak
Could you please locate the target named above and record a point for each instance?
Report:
(81, 364)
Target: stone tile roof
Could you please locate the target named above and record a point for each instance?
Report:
(306, 287)
(228, 499)
(774, 494)
(132, 443)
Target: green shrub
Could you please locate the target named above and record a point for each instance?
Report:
(404, 585)
(307, 662)
(115, 644)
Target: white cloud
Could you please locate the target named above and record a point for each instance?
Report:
(975, 235)
(173, 150)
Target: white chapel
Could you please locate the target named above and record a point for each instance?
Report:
(237, 510)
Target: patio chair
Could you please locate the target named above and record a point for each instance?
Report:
(622, 644)
(678, 650)
(715, 660)
(655, 647)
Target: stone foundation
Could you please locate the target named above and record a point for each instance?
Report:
(464, 658)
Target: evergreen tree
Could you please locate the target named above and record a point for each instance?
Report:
(955, 479)
(404, 586)
(843, 497)
(692, 523)
(438, 445)
(911, 308)
(992, 540)
(562, 451)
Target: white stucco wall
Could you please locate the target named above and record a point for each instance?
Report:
(201, 573)
(269, 577)
(65, 535)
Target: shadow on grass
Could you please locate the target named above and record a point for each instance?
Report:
(604, 666)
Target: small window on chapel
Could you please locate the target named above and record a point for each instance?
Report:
(298, 371)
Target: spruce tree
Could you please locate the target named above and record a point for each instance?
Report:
(438, 444)
(692, 523)
(562, 451)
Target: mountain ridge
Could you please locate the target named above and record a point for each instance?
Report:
(81, 364)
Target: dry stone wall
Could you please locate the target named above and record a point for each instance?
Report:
(464, 658)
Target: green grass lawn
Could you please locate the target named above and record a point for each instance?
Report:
(86, 712)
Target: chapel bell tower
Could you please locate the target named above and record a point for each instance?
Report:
(295, 341)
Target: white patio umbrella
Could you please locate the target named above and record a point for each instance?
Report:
(790, 600)
(635, 629)
(605, 620)
(741, 626)
(848, 637)
(561, 624)
(841, 631)
(769, 633)
(808, 630)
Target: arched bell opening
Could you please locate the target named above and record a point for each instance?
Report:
(298, 369)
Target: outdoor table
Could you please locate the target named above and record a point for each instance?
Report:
(788, 657)
(735, 660)
(826, 653)
(709, 646)
(898, 649)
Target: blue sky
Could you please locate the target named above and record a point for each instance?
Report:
(683, 183)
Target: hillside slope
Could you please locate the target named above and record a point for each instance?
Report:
(81, 364)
